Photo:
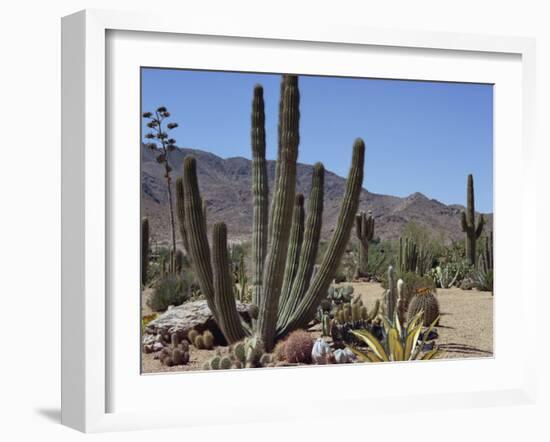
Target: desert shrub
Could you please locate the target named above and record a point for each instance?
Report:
(298, 347)
(170, 290)
(483, 280)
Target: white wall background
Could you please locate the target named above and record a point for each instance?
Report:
(30, 220)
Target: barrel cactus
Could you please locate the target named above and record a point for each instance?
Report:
(426, 302)
(283, 285)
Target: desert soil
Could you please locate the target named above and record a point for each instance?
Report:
(465, 329)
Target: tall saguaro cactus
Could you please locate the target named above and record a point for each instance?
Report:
(364, 230)
(283, 252)
(468, 222)
(144, 250)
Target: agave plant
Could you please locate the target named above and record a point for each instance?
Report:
(400, 342)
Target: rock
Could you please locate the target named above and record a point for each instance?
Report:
(185, 317)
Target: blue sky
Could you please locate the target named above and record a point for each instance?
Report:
(420, 136)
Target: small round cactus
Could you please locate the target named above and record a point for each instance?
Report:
(215, 363)
(428, 303)
(279, 351)
(298, 347)
(208, 340)
(225, 363)
(240, 352)
(199, 342)
(177, 357)
(192, 335)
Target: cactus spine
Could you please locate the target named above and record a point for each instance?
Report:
(144, 250)
(468, 223)
(286, 293)
(364, 230)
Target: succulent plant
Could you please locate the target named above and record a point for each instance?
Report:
(199, 342)
(364, 230)
(177, 353)
(321, 353)
(468, 223)
(426, 302)
(283, 252)
(208, 340)
(191, 335)
(401, 342)
(298, 347)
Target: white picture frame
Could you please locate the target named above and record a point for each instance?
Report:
(87, 316)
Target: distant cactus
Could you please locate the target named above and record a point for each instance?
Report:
(283, 250)
(427, 302)
(413, 258)
(468, 223)
(144, 250)
(364, 230)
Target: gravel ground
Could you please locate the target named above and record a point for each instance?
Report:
(465, 329)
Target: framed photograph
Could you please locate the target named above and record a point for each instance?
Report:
(259, 211)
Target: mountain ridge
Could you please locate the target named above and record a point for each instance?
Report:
(226, 189)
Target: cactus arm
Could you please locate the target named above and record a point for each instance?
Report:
(180, 209)
(229, 319)
(294, 249)
(281, 212)
(260, 193)
(480, 225)
(318, 288)
(195, 225)
(310, 246)
(463, 221)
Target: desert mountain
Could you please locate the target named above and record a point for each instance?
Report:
(226, 187)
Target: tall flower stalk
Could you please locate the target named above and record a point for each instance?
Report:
(163, 145)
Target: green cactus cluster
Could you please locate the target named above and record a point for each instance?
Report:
(177, 353)
(247, 353)
(204, 341)
(413, 258)
(468, 223)
(283, 252)
(364, 230)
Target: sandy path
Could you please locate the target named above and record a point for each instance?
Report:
(466, 326)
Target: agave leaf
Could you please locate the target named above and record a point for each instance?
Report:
(414, 321)
(364, 356)
(373, 343)
(411, 341)
(395, 347)
(387, 323)
(398, 325)
(430, 355)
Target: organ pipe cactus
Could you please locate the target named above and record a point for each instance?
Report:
(468, 223)
(364, 230)
(286, 293)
